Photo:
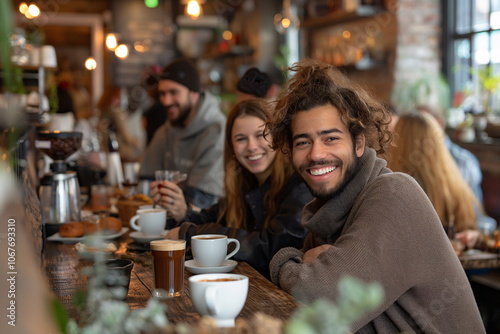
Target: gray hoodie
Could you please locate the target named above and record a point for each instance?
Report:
(196, 149)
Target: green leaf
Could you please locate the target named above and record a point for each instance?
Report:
(60, 315)
(5, 33)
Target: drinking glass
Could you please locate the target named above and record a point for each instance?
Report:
(168, 266)
(170, 175)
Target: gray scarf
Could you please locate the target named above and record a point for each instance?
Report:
(325, 223)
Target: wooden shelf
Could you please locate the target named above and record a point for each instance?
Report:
(341, 17)
(234, 51)
(31, 67)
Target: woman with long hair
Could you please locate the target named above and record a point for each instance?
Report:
(263, 199)
(419, 150)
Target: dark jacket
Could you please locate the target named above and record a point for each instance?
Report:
(258, 244)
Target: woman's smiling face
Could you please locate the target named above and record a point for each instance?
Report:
(250, 147)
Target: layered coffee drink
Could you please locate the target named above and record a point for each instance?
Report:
(168, 264)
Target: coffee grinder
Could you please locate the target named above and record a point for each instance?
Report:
(59, 190)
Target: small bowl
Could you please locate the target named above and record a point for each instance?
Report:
(124, 267)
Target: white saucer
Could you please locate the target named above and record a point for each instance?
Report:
(68, 240)
(226, 267)
(139, 237)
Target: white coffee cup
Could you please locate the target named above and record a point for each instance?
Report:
(221, 296)
(210, 250)
(151, 221)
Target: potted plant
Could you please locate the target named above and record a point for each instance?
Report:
(488, 84)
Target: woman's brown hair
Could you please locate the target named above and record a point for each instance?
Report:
(238, 180)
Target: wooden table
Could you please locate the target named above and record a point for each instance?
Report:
(63, 265)
(480, 260)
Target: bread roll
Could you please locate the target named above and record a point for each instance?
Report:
(71, 230)
(90, 228)
(111, 224)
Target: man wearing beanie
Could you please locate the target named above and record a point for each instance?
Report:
(192, 138)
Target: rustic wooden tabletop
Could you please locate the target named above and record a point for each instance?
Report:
(63, 266)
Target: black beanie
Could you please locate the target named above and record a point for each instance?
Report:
(182, 71)
(254, 82)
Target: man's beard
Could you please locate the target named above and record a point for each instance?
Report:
(183, 115)
(331, 193)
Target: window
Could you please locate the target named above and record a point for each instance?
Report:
(473, 42)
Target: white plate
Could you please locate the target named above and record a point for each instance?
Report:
(66, 240)
(226, 267)
(139, 237)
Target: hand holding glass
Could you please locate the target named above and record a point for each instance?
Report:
(174, 176)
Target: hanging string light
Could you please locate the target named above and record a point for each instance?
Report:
(30, 11)
(193, 8)
(286, 19)
(111, 41)
(122, 51)
(90, 64)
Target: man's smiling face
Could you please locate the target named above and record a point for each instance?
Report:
(323, 150)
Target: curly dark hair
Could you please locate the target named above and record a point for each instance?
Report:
(316, 84)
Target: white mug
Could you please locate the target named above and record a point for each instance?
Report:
(151, 221)
(221, 296)
(210, 250)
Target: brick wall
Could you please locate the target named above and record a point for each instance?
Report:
(418, 45)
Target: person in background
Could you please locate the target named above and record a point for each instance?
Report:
(154, 116)
(467, 164)
(255, 83)
(81, 97)
(365, 221)
(420, 151)
(264, 197)
(115, 135)
(192, 139)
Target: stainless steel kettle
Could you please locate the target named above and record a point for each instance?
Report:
(60, 198)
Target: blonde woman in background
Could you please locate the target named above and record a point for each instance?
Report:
(419, 151)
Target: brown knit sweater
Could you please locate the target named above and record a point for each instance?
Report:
(383, 228)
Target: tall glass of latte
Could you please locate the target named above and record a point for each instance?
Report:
(168, 263)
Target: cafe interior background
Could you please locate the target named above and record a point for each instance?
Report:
(441, 53)
(407, 52)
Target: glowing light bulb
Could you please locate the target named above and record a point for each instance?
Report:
(227, 35)
(121, 51)
(90, 64)
(32, 12)
(111, 42)
(23, 8)
(151, 3)
(286, 19)
(193, 9)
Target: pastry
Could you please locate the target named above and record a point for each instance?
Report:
(111, 224)
(71, 230)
